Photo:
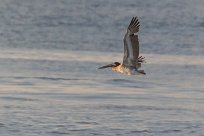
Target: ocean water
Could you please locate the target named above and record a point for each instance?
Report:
(50, 85)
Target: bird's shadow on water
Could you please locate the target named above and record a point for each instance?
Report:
(128, 83)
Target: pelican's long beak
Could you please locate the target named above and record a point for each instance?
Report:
(106, 66)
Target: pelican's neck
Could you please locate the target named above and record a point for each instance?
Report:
(117, 68)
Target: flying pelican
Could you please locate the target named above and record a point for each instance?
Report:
(131, 60)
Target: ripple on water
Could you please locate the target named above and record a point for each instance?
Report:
(2, 125)
(171, 131)
(56, 78)
(41, 78)
(141, 108)
(56, 132)
(87, 123)
(139, 131)
(25, 84)
(9, 98)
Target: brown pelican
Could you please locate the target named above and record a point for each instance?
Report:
(131, 60)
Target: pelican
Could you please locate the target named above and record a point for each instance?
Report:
(131, 60)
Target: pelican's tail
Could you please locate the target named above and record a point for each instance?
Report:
(142, 72)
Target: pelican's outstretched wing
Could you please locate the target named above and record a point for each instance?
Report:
(131, 44)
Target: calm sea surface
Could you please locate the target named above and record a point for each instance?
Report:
(50, 84)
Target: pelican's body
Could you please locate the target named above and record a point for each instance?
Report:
(131, 60)
(127, 70)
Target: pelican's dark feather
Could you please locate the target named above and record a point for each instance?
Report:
(131, 44)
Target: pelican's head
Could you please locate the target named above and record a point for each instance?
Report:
(113, 66)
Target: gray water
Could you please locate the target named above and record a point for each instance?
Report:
(50, 85)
